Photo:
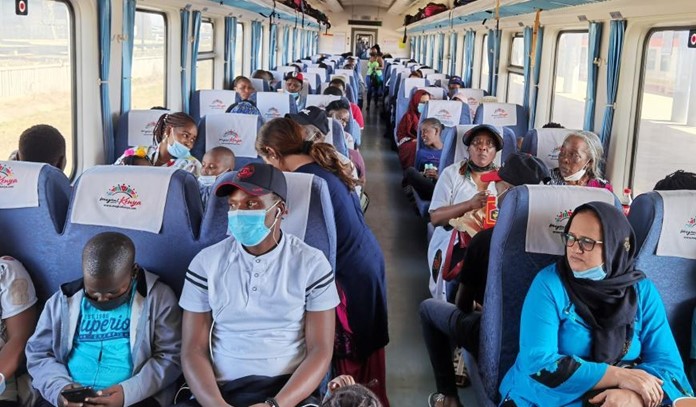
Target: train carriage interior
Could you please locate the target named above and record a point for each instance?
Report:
(424, 106)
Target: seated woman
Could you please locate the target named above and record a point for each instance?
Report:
(17, 323)
(423, 176)
(407, 131)
(593, 328)
(578, 162)
(172, 140)
(243, 86)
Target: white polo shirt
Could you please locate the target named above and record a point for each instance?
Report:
(258, 303)
(453, 188)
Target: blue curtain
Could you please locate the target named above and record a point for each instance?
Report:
(453, 54)
(424, 50)
(293, 54)
(417, 54)
(535, 77)
(127, 58)
(230, 50)
(616, 39)
(185, 17)
(255, 44)
(493, 60)
(441, 54)
(431, 51)
(315, 50)
(286, 45)
(273, 45)
(104, 27)
(527, 65)
(593, 45)
(194, 48)
(469, 39)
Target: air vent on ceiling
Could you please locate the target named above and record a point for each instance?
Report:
(365, 22)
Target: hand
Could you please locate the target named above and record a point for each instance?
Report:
(63, 402)
(430, 173)
(341, 381)
(479, 200)
(617, 398)
(648, 387)
(110, 397)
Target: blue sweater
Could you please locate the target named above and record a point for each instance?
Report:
(552, 368)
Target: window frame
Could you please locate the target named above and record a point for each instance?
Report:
(632, 161)
(484, 59)
(555, 65)
(241, 49)
(514, 69)
(207, 55)
(166, 52)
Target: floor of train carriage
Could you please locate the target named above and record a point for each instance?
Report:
(402, 236)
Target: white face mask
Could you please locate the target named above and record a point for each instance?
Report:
(578, 175)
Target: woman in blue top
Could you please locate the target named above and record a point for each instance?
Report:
(423, 176)
(362, 314)
(593, 327)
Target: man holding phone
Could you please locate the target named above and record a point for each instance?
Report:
(111, 338)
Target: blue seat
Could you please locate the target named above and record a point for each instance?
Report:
(211, 101)
(32, 234)
(167, 253)
(520, 128)
(273, 105)
(337, 136)
(551, 141)
(674, 277)
(232, 130)
(510, 273)
(403, 97)
(135, 128)
(449, 151)
(320, 229)
(260, 85)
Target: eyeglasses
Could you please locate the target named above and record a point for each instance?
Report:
(483, 143)
(586, 244)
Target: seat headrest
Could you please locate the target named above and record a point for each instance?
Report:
(435, 92)
(141, 124)
(472, 97)
(549, 142)
(128, 197)
(320, 101)
(678, 232)
(500, 114)
(550, 207)
(273, 104)
(448, 112)
(235, 131)
(299, 197)
(215, 101)
(19, 184)
(410, 83)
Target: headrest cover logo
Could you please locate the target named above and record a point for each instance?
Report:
(231, 137)
(121, 196)
(500, 113)
(557, 226)
(688, 232)
(7, 177)
(218, 104)
(272, 113)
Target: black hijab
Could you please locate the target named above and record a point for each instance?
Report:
(609, 305)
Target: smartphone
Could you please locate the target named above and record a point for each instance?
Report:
(78, 394)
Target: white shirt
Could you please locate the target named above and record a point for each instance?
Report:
(16, 292)
(452, 188)
(258, 303)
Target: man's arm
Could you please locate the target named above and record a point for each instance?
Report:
(319, 336)
(19, 328)
(195, 358)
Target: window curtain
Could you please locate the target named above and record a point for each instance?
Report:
(273, 45)
(417, 55)
(453, 54)
(411, 47)
(104, 27)
(616, 39)
(535, 78)
(469, 39)
(255, 44)
(185, 17)
(127, 58)
(293, 52)
(302, 41)
(431, 50)
(493, 60)
(316, 43)
(196, 35)
(527, 65)
(593, 45)
(286, 44)
(441, 53)
(424, 50)
(230, 50)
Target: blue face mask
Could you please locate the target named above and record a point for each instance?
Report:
(207, 180)
(421, 107)
(178, 150)
(249, 226)
(294, 94)
(594, 273)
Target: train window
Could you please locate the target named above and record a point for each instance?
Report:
(37, 73)
(666, 122)
(238, 50)
(206, 56)
(570, 80)
(148, 78)
(515, 82)
(483, 84)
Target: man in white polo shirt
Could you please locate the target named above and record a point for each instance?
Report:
(259, 316)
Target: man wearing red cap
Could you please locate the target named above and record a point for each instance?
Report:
(259, 316)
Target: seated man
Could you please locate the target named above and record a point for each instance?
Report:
(217, 161)
(17, 322)
(244, 87)
(259, 306)
(41, 144)
(293, 86)
(124, 339)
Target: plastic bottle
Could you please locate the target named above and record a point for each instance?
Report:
(626, 200)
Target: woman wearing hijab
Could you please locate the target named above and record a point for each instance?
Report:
(593, 328)
(407, 132)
